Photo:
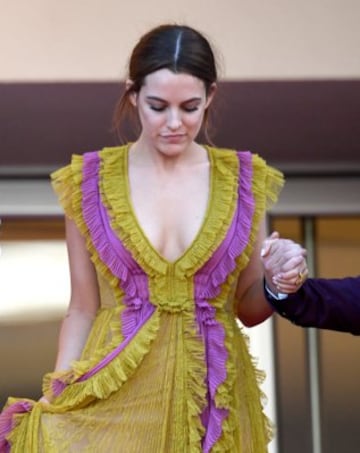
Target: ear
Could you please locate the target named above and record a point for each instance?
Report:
(132, 94)
(210, 94)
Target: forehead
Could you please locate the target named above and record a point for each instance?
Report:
(164, 83)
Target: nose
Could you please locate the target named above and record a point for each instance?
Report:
(174, 119)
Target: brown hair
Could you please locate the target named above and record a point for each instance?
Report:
(179, 48)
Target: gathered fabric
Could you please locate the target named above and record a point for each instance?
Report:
(166, 367)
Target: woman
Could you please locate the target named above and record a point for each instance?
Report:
(164, 239)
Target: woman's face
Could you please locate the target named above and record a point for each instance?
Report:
(171, 109)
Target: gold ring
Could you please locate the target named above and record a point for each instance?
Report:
(300, 278)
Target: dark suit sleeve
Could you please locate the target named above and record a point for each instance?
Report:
(324, 303)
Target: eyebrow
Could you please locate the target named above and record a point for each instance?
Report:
(155, 98)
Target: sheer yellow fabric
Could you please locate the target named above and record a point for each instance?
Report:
(150, 397)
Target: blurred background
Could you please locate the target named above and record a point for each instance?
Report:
(290, 91)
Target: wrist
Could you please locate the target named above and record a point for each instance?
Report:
(272, 296)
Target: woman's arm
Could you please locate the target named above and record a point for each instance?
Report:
(252, 307)
(84, 300)
(286, 256)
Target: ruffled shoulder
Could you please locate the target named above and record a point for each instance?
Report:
(66, 183)
(267, 183)
(266, 186)
(78, 190)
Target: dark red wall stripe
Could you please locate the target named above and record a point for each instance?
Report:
(290, 123)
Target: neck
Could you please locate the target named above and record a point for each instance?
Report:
(142, 155)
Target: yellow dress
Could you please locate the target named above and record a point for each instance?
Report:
(166, 367)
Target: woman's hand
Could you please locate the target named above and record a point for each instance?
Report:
(284, 262)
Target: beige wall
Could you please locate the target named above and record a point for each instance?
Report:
(91, 39)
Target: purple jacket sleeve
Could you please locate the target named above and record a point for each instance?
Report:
(324, 303)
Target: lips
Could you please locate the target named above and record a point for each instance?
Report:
(173, 136)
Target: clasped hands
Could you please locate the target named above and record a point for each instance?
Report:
(284, 263)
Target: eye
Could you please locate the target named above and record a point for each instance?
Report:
(190, 109)
(157, 108)
(190, 106)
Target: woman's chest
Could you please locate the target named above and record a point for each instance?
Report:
(171, 211)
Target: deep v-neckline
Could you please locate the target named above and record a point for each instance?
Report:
(137, 223)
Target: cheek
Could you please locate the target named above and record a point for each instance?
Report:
(150, 119)
(194, 121)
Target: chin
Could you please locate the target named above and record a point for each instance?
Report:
(173, 149)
